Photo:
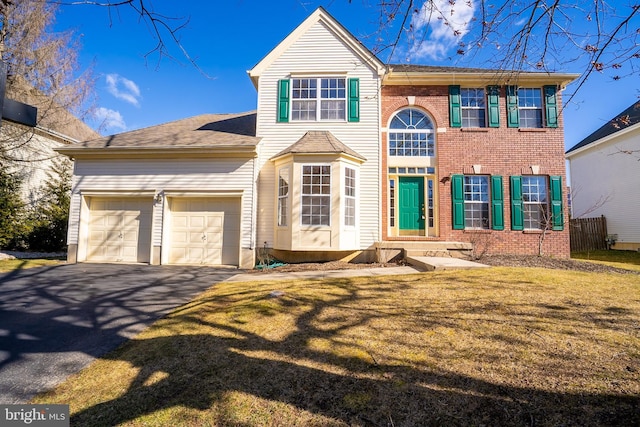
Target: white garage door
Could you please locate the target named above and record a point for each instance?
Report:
(205, 231)
(119, 229)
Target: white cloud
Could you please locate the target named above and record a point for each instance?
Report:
(439, 26)
(123, 88)
(109, 119)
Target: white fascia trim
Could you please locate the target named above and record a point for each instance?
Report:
(117, 193)
(200, 193)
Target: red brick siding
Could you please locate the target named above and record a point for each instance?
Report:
(500, 151)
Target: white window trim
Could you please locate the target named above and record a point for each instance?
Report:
(544, 211)
(318, 99)
(528, 108)
(487, 226)
(283, 197)
(303, 194)
(432, 132)
(353, 198)
(468, 108)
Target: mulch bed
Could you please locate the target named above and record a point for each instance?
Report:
(493, 260)
(552, 263)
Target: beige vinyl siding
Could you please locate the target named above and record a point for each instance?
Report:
(320, 53)
(114, 177)
(605, 175)
(75, 205)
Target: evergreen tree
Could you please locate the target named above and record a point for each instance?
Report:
(11, 208)
(50, 215)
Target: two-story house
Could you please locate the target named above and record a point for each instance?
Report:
(345, 156)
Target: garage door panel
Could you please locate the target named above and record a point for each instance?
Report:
(215, 220)
(180, 221)
(213, 229)
(119, 230)
(196, 223)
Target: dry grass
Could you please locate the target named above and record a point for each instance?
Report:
(21, 264)
(501, 346)
(620, 259)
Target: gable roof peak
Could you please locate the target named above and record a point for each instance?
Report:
(318, 15)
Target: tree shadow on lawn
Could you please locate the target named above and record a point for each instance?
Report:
(199, 371)
(55, 320)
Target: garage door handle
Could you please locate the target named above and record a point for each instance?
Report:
(204, 237)
(120, 236)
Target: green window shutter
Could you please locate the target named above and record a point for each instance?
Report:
(493, 104)
(283, 101)
(497, 203)
(455, 107)
(354, 100)
(551, 106)
(513, 115)
(517, 213)
(457, 197)
(557, 218)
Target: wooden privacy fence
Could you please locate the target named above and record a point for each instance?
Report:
(588, 234)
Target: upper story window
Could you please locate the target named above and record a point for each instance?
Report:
(473, 107)
(318, 99)
(530, 107)
(411, 134)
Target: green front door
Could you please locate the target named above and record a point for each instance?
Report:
(411, 203)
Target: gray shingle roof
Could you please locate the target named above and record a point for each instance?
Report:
(414, 68)
(204, 131)
(628, 117)
(319, 142)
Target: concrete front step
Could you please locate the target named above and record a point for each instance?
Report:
(429, 263)
(424, 245)
(427, 253)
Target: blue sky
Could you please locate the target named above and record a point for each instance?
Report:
(228, 38)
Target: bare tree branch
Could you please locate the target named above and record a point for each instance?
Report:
(521, 35)
(162, 28)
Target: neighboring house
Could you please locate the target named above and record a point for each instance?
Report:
(605, 173)
(344, 157)
(30, 131)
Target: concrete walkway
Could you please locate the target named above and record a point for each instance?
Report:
(319, 274)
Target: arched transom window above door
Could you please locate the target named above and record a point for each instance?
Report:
(411, 133)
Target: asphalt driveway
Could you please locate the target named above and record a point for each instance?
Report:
(56, 320)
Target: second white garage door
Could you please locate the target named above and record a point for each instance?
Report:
(205, 231)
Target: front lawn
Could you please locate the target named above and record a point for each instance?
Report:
(499, 346)
(622, 259)
(21, 264)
